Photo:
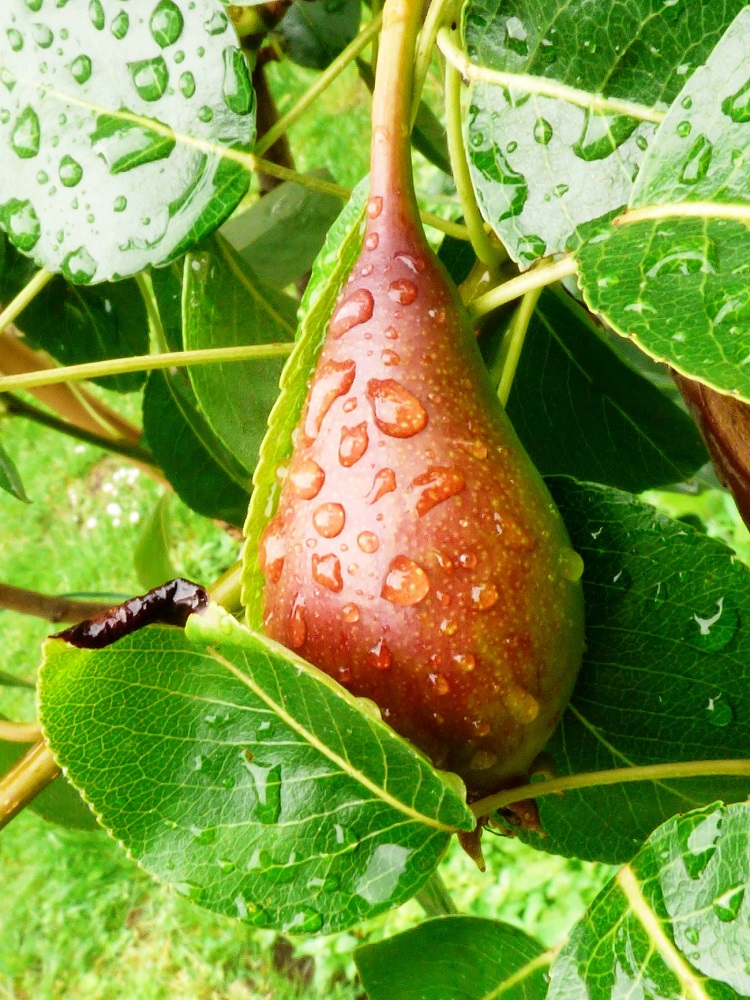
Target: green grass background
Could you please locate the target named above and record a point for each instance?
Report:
(78, 919)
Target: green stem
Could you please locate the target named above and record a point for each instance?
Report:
(25, 780)
(434, 897)
(617, 776)
(17, 407)
(143, 363)
(158, 338)
(19, 732)
(227, 590)
(536, 277)
(512, 344)
(485, 250)
(324, 81)
(545, 87)
(437, 15)
(24, 297)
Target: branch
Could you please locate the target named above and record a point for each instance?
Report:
(617, 776)
(53, 609)
(25, 780)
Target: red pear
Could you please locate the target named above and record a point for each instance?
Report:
(416, 555)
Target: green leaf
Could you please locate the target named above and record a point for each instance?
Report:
(166, 283)
(542, 166)
(191, 456)
(226, 305)
(281, 234)
(330, 271)
(313, 33)
(10, 680)
(10, 480)
(581, 411)
(116, 132)
(245, 778)
(665, 673)
(678, 286)
(676, 918)
(151, 558)
(59, 803)
(464, 958)
(78, 324)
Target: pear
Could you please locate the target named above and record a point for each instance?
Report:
(416, 555)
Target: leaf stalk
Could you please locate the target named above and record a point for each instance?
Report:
(27, 294)
(544, 273)
(26, 779)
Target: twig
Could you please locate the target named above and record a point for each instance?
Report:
(25, 780)
(20, 732)
(51, 608)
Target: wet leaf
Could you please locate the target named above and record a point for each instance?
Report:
(665, 674)
(204, 475)
(581, 411)
(59, 803)
(249, 781)
(461, 957)
(678, 286)
(315, 32)
(542, 166)
(675, 918)
(283, 232)
(225, 304)
(10, 480)
(330, 271)
(77, 324)
(115, 131)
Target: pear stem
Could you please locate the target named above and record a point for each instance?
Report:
(617, 776)
(390, 161)
(437, 15)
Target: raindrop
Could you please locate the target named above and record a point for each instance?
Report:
(737, 105)
(15, 38)
(120, 25)
(297, 624)
(716, 631)
(380, 657)
(391, 333)
(79, 267)
(205, 114)
(42, 177)
(560, 189)
(150, 77)
(353, 445)
(96, 14)
(26, 135)
(307, 479)
(225, 865)
(271, 552)
(437, 484)
(571, 565)
(641, 142)
(42, 35)
(236, 89)
(216, 24)
(372, 241)
(531, 247)
(448, 626)
(350, 614)
(516, 35)
(390, 359)
(697, 835)
(120, 203)
(306, 921)
(374, 207)
(687, 103)
(397, 411)
(22, 223)
(166, 23)
(602, 134)
(356, 309)
(81, 68)
(484, 596)
(406, 582)
(403, 291)
(684, 129)
(334, 379)
(542, 131)
(191, 890)
(692, 934)
(187, 84)
(267, 783)
(328, 519)
(368, 542)
(468, 560)
(719, 712)
(727, 906)
(326, 571)
(384, 482)
(70, 171)
(698, 161)
(415, 264)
